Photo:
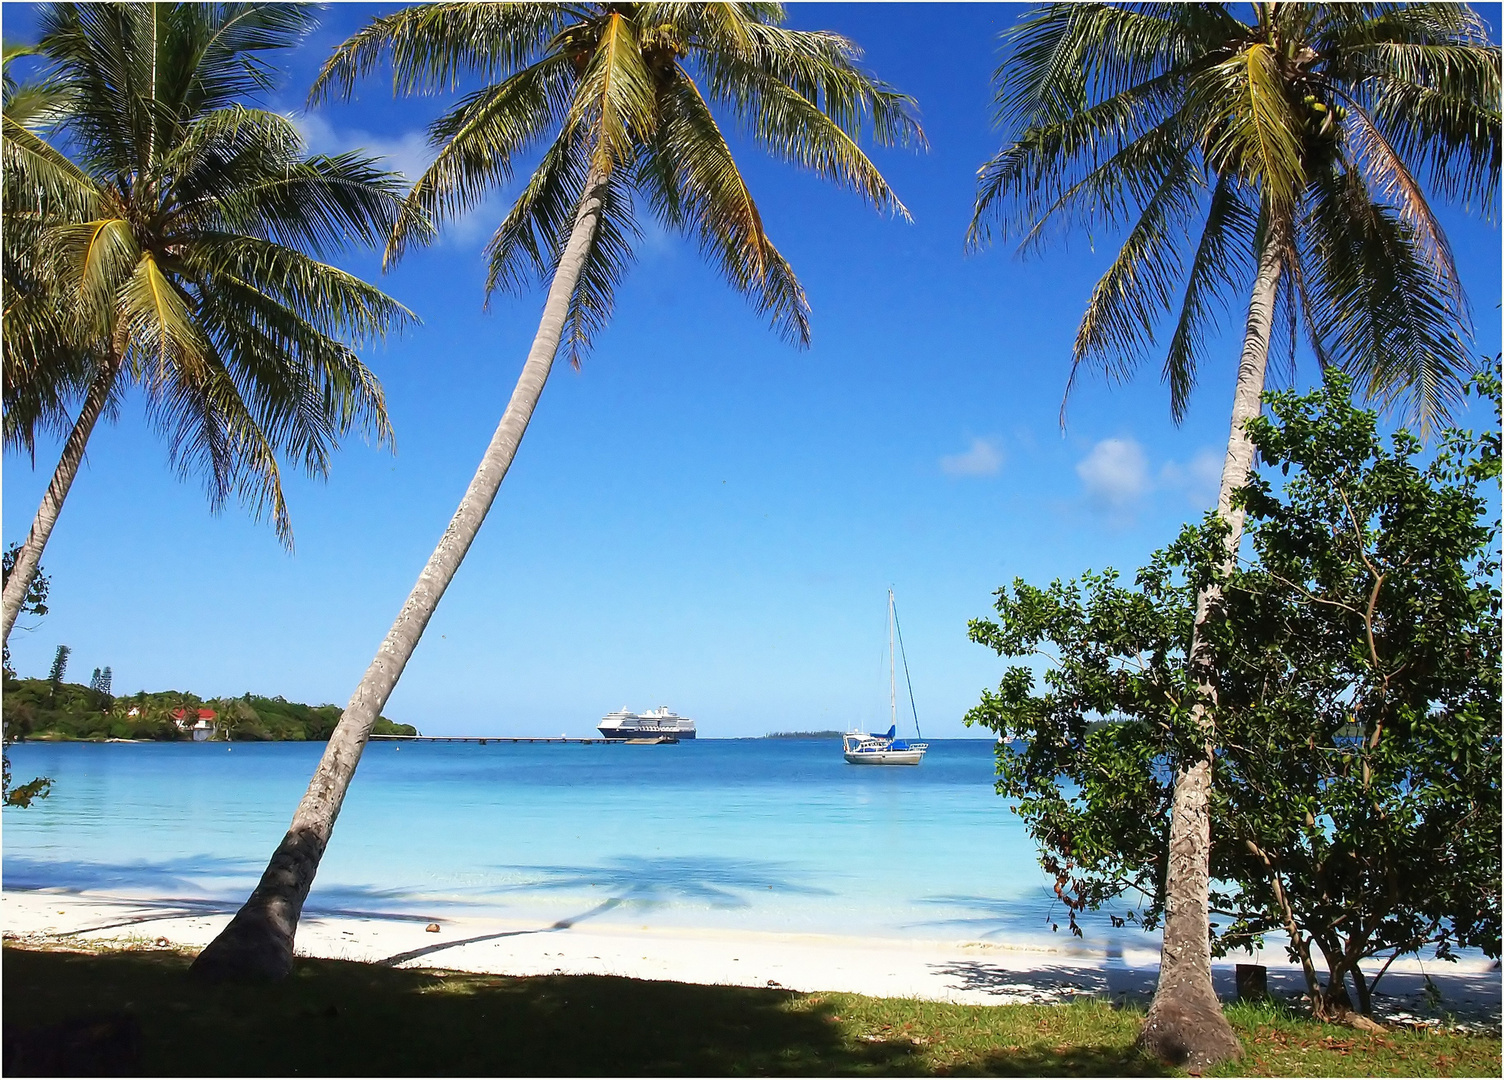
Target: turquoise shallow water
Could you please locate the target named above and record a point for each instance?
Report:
(752, 834)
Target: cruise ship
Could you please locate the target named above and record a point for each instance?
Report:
(661, 721)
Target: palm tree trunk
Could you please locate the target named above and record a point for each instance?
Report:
(30, 555)
(258, 943)
(1185, 1023)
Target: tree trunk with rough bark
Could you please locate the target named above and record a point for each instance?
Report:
(30, 555)
(258, 943)
(1185, 1024)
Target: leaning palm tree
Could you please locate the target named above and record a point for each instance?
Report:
(620, 98)
(167, 236)
(1283, 152)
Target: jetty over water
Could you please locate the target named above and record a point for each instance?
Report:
(483, 739)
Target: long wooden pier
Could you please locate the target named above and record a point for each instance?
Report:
(483, 739)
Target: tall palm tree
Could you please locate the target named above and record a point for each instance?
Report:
(167, 237)
(620, 98)
(1282, 152)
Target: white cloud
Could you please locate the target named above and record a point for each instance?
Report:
(1116, 474)
(1199, 479)
(408, 154)
(984, 458)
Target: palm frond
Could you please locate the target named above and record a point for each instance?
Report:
(1065, 56)
(1071, 167)
(210, 432)
(333, 302)
(324, 204)
(304, 388)
(792, 128)
(1220, 264)
(1138, 288)
(478, 142)
(89, 262)
(1249, 126)
(218, 54)
(606, 263)
(1379, 160)
(820, 66)
(155, 326)
(694, 185)
(1383, 315)
(1429, 78)
(527, 244)
(1455, 135)
(431, 46)
(613, 99)
(38, 177)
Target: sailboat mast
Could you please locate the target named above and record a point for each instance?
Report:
(892, 671)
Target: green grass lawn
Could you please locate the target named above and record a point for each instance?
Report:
(141, 1013)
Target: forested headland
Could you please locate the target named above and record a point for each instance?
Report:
(43, 710)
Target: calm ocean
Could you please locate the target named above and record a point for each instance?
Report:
(757, 834)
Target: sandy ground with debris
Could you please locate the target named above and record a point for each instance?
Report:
(978, 973)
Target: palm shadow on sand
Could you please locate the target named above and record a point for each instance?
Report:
(643, 882)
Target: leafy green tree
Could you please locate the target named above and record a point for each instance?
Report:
(1286, 152)
(1356, 805)
(33, 603)
(175, 248)
(622, 101)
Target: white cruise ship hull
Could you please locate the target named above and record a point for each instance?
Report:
(652, 725)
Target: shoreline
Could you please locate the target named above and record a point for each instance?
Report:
(961, 972)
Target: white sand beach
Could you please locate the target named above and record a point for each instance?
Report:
(971, 972)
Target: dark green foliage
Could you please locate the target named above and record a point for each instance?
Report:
(34, 603)
(74, 712)
(99, 689)
(1356, 800)
(21, 795)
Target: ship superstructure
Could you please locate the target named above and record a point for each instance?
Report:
(623, 724)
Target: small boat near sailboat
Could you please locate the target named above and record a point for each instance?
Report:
(861, 748)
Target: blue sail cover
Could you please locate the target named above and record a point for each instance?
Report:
(892, 731)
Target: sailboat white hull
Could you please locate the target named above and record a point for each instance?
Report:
(884, 757)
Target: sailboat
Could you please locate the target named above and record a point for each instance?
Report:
(861, 748)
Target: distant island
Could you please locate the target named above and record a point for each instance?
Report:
(41, 710)
(803, 735)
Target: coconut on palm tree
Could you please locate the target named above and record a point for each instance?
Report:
(166, 236)
(622, 101)
(1280, 160)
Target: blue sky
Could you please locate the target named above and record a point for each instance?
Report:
(701, 516)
